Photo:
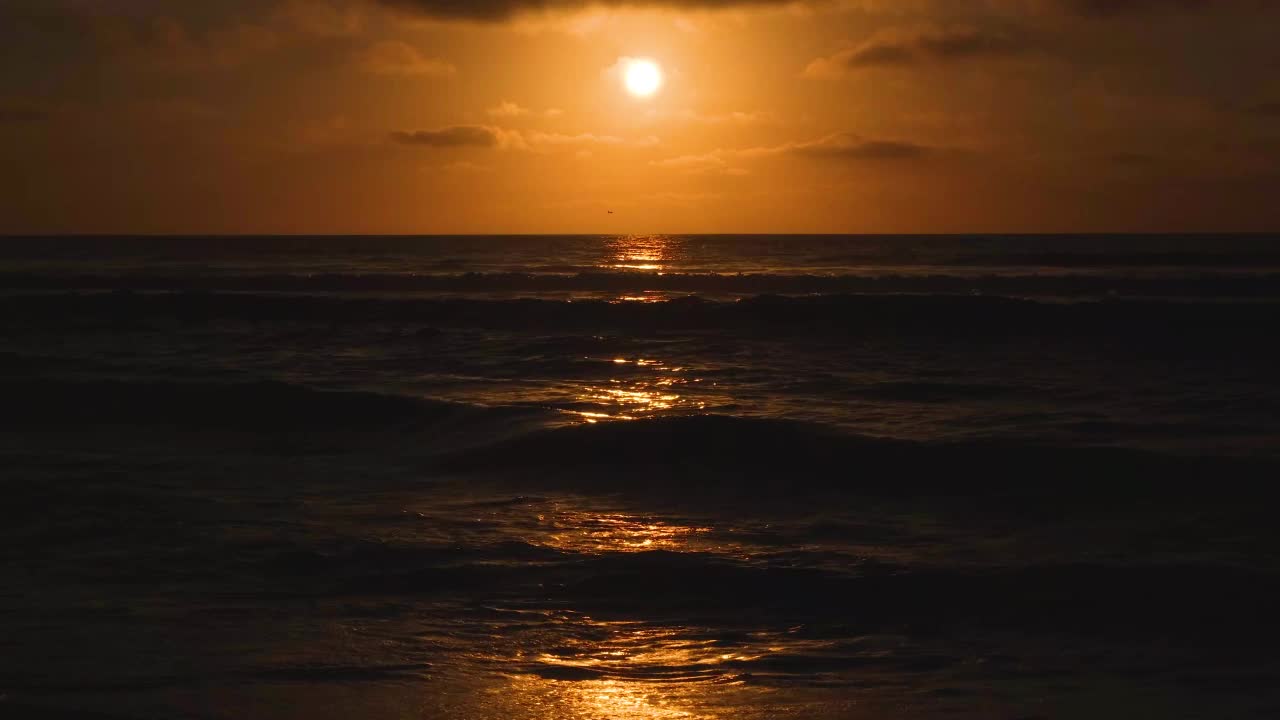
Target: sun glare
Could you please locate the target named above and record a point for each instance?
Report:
(643, 78)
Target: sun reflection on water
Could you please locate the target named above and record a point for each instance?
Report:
(610, 698)
(649, 296)
(622, 398)
(615, 532)
(652, 253)
(597, 700)
(635, 651)
(628, 669)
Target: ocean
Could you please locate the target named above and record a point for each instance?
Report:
(586, 477)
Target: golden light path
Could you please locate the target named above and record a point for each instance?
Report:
(637, 671)
(629, 670)
(621, 669)
(596, 700)
(640, 252)
(591, 532)
(572, 664)
(632, 399)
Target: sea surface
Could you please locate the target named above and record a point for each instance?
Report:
(642, 477)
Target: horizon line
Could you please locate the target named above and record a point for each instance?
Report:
(246, 235)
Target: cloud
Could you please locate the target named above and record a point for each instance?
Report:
(487, 136)
(854, 147)
(392, 57)
(847, 146)
(166, 43)
(508, 109)
(713, 119)
(1266, 109)
(22, 114)
(498, 10)
(456, 136)
(1105, 8)
(501, 10)
(545, 142)
(899, 48)
(322, 18)
(164, 36)
(712, 163)
(1131, 159)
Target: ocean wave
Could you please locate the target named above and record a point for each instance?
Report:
(1193, 324)
(682, 452)
(1188, 603)
(936, 392)
(306, 674)
(234, 406)
(1190, 284)
(758, 458)
(1183, 603)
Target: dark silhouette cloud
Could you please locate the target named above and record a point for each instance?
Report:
(901, 48)
(878, 53)
(969, 42)
(451, 137)
(848, 146)
(497, 10)
(853, 148)
(1131, 159)
(494, 10)
(21, 115)
(1115, 8)
(1266, 109)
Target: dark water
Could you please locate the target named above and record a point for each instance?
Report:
(640, 477)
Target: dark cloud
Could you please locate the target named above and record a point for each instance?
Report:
(497, 10)
(900, 48)
(1131, 159)
(968, 42)
(1118, 8)
(22, 115)
(150, 35)
(838, 146)
(1266, 109)
(451, 137)
(847, 146)
(494, 10)
(875, 54)
(867, 150)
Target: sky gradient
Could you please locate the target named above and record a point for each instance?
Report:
(509, 116)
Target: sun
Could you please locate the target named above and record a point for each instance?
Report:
(643, 78)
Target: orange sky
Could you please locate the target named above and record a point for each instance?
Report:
(508, 116)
